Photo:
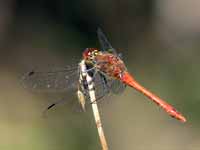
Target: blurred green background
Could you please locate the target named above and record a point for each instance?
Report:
(160, 45)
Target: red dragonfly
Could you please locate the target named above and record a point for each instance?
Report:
(110, 64)
(108, 71)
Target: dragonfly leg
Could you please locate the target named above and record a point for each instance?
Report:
(90, 69)
(101, 97)
(105, 86)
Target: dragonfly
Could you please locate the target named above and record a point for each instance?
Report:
(109, 74)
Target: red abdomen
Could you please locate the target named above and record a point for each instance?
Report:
(129, 80)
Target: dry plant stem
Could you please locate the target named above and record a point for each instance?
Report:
(94, 105)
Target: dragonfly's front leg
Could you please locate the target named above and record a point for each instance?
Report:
(106, 88)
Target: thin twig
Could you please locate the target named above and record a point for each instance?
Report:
(94, 105)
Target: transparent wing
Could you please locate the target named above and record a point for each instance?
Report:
(103, 88)
(56, 80)
(117, 87)
(105, 44)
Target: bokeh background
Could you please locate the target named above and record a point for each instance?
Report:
(160, 45)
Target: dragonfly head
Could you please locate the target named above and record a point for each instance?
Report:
(90, 54)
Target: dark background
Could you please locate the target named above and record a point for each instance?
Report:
(159, 41)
